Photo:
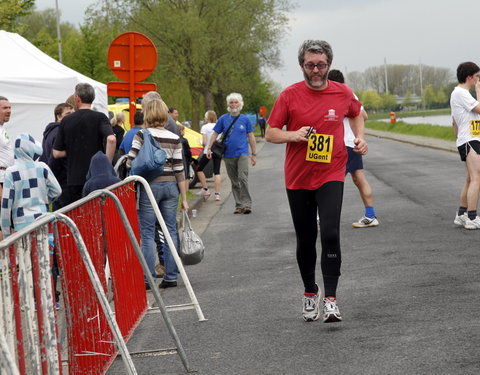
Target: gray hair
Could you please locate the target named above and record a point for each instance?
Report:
(3, 98)
(235, 96)
(149, 96)
(85, 92)
(315, 46)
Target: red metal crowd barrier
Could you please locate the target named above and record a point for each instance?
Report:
(90, 341)
(97, 245)
(129, 305)
(27, 314)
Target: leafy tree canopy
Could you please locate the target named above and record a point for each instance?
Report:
(11, 11)
(213, 46)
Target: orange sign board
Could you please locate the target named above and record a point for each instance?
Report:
(132, 57)
(123, 88)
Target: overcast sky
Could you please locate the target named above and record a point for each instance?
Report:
(363, 33)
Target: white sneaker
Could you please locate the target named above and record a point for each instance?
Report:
(331, 314)
(460, 220)
(311, 307)
(472, 224)
(217, 197)
(366, 222)
(205, 193)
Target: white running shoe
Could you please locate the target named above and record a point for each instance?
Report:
(205, 193)
(311, 307)
(472, 224)
(217, 197)
(331, 314)
(460, 220)
(366, 222)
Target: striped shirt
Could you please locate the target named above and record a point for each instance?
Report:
(168, 141)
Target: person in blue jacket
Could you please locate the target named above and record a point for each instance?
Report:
(237, 134)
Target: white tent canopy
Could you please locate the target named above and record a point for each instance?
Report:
(34, 83)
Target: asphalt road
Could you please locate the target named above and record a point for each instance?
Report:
(408, 292)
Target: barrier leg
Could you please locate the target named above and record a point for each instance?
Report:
(156, 292)
(173, 249)
(7, 362)
(102, 298)
(17, 315)
(24, 249)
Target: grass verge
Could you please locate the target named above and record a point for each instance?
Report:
(424, 130)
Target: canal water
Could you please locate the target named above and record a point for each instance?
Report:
(442, 120)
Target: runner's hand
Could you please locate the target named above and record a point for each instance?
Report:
(361, 146)
(300, 134)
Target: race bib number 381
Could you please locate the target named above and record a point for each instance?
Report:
(320, 148)
(475, 128)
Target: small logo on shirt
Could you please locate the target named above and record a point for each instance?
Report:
(331, 116)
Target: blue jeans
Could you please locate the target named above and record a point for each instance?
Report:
(166, 194)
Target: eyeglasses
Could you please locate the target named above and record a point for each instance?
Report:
(311, 66)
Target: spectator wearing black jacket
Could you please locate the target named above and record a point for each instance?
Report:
(100, 174)
(58, 166)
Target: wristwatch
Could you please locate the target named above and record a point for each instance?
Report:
(253, 154)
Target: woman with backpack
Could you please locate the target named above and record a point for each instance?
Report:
(166, 189)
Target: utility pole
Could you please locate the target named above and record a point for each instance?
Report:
(59, 39)
(386, 75)
(421, 83)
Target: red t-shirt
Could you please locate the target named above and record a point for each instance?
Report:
(299, 106)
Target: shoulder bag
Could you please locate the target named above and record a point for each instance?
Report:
(218, 147)
(150, 159)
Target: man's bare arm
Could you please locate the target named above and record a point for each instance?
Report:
(59, 154)
(275, 135)
(111, 144)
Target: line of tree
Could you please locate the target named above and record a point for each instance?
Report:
(431, 99)
(409, 86)
(401, 79)
(209, 48)
(206, 48)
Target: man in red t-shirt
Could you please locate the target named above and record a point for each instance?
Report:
(312, 113)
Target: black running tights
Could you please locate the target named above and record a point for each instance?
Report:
(303, 206)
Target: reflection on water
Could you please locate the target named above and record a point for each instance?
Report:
(442, 120)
